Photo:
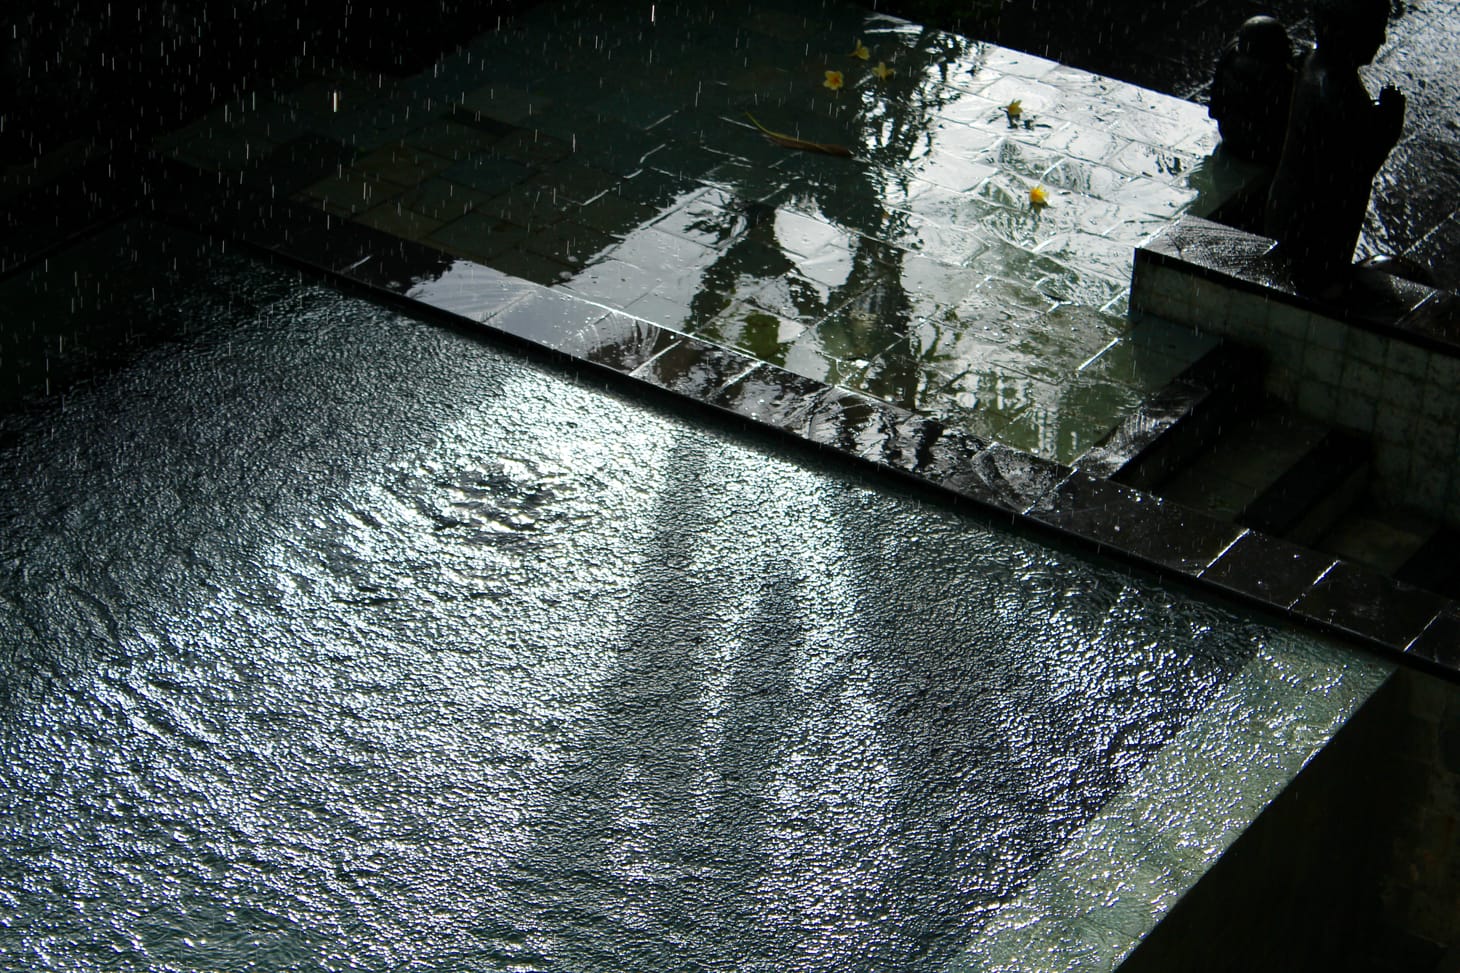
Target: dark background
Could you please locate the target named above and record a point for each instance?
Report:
(124, 70)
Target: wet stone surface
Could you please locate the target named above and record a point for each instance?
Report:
(908, 307)
(1268, 569)
(1359, 601)
(917, 271)
(1138, 524)
(1438, 646)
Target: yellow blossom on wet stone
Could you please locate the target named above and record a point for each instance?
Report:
(1014, 109)
(833, 80)
(882, 71)
(860, 51)
(1038, 197)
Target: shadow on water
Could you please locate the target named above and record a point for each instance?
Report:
(656, 836)
(807, 757)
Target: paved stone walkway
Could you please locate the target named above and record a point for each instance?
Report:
(608, 150)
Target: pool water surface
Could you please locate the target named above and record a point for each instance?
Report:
(337, 640)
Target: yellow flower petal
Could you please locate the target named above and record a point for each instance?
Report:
(833, 80)
(1038, 197)
(882, 71)
(860, 51)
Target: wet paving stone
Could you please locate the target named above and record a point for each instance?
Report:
(694, 368)
(1138, 524)
(619, 341)
(547, 317)
(392, 264)
(869, 428)
(775, 397)
(395, 219)
(489, 174)
(1438, 646)
(1268, 569)
(1354, 599)
(531, 266)
(441, 199)
(902, 440)
(562, 162)
(950, 454)
(470, 290)
(1005, 478)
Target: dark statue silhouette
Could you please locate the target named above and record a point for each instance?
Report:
(1337, 138)
(1251, 90)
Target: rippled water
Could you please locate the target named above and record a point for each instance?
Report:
(335, 640)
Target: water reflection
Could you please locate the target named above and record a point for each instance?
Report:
(820, 264)
(585, 147)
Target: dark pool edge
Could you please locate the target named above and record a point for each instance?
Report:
(1413, 627)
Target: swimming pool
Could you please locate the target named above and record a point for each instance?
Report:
(339, 640)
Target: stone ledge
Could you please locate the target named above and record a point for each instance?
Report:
(1245, 263)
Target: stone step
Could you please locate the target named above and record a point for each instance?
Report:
(1309, 496)
(1181, 420)
(1404, 544)
(1378, 537)
(1242, 462)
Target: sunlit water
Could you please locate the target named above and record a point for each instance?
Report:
(335, 640)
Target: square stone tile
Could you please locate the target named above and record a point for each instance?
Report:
(568, 243)
(614, 282)
(545, 317)
(532, 148)
(619, 341)
(471, 290)
(449, 140)
(441, 199)
(531, 266)
(527, 206)
(394, 219)
(775, 397)
(488, 174)
(1135, 523)
(694, 368)
(478, 236)
(613, 214)
(573, 181)
(1005, 478)
(1267, 568)
(1438, 646)
(506, 103)
(1367, 604)
(350, 193)
(400, 164)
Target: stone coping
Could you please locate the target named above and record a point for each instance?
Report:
(1245, 262)
(1305, 587)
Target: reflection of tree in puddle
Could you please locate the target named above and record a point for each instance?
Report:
(881, 325)
(858, 272)
(842, 303)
